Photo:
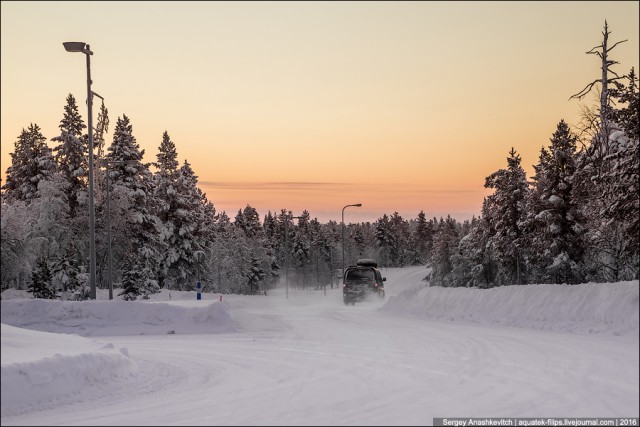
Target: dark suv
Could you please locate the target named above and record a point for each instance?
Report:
(361, 280)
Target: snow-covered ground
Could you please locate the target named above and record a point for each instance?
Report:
(519, 351)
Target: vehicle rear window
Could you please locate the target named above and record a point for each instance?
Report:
(360, 275)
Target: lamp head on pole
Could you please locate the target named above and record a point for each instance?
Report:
(77, 47)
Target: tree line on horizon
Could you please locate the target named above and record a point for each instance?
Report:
(576, 220)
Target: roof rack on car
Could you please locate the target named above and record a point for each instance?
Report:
(367, 262)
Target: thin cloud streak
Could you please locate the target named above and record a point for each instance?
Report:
(324, 186)
(268, 186)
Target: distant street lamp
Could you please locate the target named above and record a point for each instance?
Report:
(286, 251)
(84, 48)
(356, 205)
(106, 163)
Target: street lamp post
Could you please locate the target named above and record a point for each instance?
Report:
(84, 48)
(286, 252)
(356, 205)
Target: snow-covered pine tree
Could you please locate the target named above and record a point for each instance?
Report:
(71, 154)
(272, 244)
(422, 239)
(554, 223)
(132, 278)
(41, 285)
(269, 227)
(506, 208)
(358, 239)
(188, 221)
(13, 262)
(301, 246)
(31, 162)
(64, 270)
(132, 179)
(473, 264)
(165, 192)
(218, 257)
(255, 276)
(621, 187)
(399, 229)
(167, 156)
(102, 126)
(445, 243)
(384, 241)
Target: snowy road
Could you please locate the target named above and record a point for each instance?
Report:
(310, 360)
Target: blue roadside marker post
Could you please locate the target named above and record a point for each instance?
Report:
(199, 259)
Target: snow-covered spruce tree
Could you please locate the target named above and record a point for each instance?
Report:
(31, 162)
(473, 264)
(13, 265)
(422, 239)
(207, 236)
(445, 243)
(506, 209)
(255, 276)
(102, 127)
(465, 267)
(165, 193)
(358, 239)
(322, 254)
(230, 257)
(67, 238)
(41, 285)
(249, 222)
(626, 116)
(39, 227)
(301, 248)
(300, 251)
(269, 228)
(132, 277)
(385, 241)
(554, 223)
(218, 259)
(264, 248)
(133, 180)
(71, 154)
(64, 269)
(272, 243)
(399, 229)
(189, 221)
(620, 181)
(283, 236)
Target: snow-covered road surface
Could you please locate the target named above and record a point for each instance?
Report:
(310, 360)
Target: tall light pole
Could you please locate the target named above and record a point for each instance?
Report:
(356, 205)
(84, 48)
(286, 251)
(106, 163)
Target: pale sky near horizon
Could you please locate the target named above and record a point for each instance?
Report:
(400, 106)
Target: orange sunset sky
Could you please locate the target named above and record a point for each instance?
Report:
(400, 106)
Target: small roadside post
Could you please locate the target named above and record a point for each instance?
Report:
(199, 259)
